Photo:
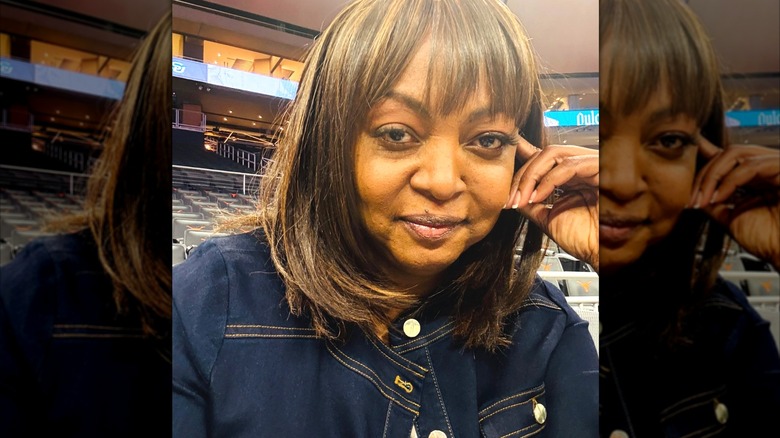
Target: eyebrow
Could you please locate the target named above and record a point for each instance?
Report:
(420, 108)
(410, 102)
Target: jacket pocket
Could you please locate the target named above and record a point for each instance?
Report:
(519, 415)
(698, 415)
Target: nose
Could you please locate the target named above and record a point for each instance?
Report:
(439, 171)
(621, 176)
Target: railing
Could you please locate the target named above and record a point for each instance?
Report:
(72, 176)
(240, 156)
(248, 180)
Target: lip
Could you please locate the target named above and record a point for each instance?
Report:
(431, 228)
(616, 230)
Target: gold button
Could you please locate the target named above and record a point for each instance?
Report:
(540, 412)
(618, 434)
(721, 412)
(437, 434)
(411, 328)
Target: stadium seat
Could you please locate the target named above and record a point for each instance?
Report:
(180, 226)
(179, 253)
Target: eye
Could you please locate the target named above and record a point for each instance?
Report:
(491, 141)
(490, 145)
(395, 135)
(674, 140)
(494, 140)
(671, 145)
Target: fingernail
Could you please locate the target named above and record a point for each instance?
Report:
(714, 196)
(514, 207)
(512, 194)
(698, 199)
(531, 199)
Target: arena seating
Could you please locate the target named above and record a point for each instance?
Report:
(27, 200)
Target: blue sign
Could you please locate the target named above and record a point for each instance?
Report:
(79, 82)
(64, 79)
(251, 82)
(19, 70)
(753, 118)
(571, 118)
(184, 68)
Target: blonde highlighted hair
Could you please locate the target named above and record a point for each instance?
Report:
(308, 197)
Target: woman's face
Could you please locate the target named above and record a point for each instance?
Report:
(430, 185)
(648, 164)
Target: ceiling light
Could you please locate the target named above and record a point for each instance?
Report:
(254, 124)
(57, 111)
(230, 111)
(224, 118)
(259, 117)
(87, 116)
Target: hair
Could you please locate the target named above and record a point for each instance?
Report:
(309, 204)
(660, 47)
(126, 200)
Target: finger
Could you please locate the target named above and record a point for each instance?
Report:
(516, 181)
(525, 149)
(712, 173)
(532, 172)
(570, 172)
(583, 164)
(709, 151)
(751, 170)
(523, 179)
(706, 148)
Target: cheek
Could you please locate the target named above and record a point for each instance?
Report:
(491, 184)
(378, 182)
(671, 184)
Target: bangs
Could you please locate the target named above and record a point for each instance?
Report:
(649, 47)
(464, 56)
(467, 58)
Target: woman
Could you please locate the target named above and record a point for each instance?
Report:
(682, 352)
(378, 296)
(85, 316)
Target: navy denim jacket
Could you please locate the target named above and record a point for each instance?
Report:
(726, 382)
(244, 367)
(70, 366)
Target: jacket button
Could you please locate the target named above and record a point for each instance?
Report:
(721, 412)
(540, 412)
(618, 434)
(437, 434)
(411, 328)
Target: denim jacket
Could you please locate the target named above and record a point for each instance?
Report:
(70, 365)
(724, 382)
(244, 367)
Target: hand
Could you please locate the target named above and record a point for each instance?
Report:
(572, 221)
(740, 188)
